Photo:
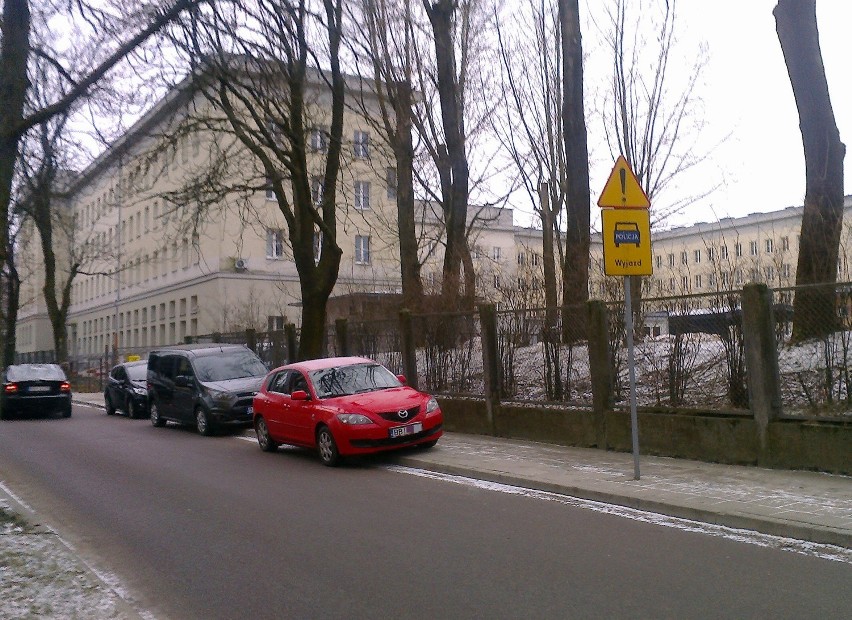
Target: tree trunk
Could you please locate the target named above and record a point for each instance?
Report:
(814, 313)
(452, 164)
(551, 302)
(403, 148)
(575, 271)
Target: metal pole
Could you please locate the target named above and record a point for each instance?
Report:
(634, 422)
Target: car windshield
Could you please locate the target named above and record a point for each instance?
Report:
(352, 379)
(235, 364)
(138, 372)
(35, 372)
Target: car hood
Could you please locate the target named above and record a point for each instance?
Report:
(139, 383)
(243, 384)
(380, 401)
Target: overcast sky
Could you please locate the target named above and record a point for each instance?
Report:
(747, 93)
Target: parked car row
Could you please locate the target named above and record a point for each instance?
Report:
(338, 406)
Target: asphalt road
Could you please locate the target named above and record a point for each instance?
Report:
(198, 527)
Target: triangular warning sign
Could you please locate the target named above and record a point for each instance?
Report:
(622, 190)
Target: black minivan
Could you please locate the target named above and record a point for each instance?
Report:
(210, 386)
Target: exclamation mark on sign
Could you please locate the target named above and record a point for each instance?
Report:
(622, 174)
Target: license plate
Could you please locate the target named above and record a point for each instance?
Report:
(39, 388)
(402, 431)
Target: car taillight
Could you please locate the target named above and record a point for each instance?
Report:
(10, 388)
(65, 387)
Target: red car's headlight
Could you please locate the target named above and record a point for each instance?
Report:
(431, 405)
(353, 418)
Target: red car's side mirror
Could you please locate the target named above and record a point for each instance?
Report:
(299, 395)
(402, 379)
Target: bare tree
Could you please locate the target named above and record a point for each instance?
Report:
(530, 53)
(271, 69)
(814, 304)
(17, 117)
(654, 125)
(388, 50)
(451, 34)
(577, 198)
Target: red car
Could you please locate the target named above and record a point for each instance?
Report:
(343, 406)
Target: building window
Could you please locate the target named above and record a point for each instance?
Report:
(317, 190)
(697, 255)
(521, 258)
(658, 261)
(738, 249)
(270, 192)
(684, 258)
(711, 280)
(711, 254)
(274, 243)
(785, 270)
(785, 244)
(671, 284)
(495, 253)
(684, 281)
(496, 281)
(723, 252)
(390, 179)
(318, 140)
(671, 260)
(769, 245)
(362, 249)
(361, 144)
(274, 323)
(752, 248)
(698, 281)
(726, 279)
(769, 272)
(362, 194)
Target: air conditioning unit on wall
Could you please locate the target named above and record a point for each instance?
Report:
(240, 264)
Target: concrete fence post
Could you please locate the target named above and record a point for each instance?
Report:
(276, 337)
(341, 335)
(490, 361)
(761, 358)
(409, 348)
(290, 335)
(600, 367)
(251, 339)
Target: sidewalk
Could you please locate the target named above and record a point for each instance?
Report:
(804, 505)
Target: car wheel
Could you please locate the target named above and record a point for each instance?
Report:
(327, 447)
(66, 413)
(266, 443)
(202, 422)
(427, 444)
(110, 408)
(156, 419)
(131, 408)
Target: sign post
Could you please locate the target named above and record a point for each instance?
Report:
(626, 231)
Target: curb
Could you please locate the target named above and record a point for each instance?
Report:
(772, 527)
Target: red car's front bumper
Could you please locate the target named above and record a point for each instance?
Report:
(368, 439)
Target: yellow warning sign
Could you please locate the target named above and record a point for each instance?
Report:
(622, 190)
(627, 242)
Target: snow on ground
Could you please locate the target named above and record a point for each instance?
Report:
(41, 577)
